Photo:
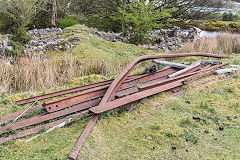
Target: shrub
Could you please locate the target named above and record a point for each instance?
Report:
(138, 38)
(230, 17)
(22, 36)
(17, 48)
(67, 22)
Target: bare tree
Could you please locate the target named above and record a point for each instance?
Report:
(54, 13)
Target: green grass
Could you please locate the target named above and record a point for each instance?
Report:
(151, 130)
(228, 22)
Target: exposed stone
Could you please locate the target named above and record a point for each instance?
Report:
(51, 39)
(48, 39)
(173, 39)
(4, 45)
(221, 128)
(39, 33)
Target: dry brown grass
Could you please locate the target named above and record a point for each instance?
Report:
(224, 43)
(39, 75)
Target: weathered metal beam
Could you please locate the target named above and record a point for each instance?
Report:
(142, 94)
(38, 119)
(203, 73)
(77, 147)
(37, 129)
(14, 115)
(134, 97)
(170, 64)
(163, 82)
(79, 144)
(187, 69)
(72, 90)
(109, 95)
(60, 93)
(59, 104)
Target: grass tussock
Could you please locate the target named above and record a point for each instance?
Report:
(224, 43)
(39, 75)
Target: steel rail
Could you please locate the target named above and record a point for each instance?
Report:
(80, 142)
(69, 91)
(127, 82)
(190, 72)
(186, 74)
(38, 119)
(151, 90)
(37, 129)
(137, 96)
(76, 108)
(109, 95)
(203, 73)
(77, 147)
(14, 115)
(61, 103)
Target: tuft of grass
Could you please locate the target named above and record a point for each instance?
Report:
(224, 43)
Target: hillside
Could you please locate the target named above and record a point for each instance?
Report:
(203, 124)
(59, 67)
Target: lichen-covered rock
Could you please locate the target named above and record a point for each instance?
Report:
(172, 39)
(166, 39)
(48, 39)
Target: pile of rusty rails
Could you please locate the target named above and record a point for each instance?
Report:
(92, 100)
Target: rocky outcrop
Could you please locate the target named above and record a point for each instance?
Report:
(48, 39)
(53, 39)
(172, 39)
(166, 39)
(110, 36)
(4, 45)
(40, 33)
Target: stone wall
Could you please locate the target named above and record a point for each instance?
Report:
(172, 39)
(40, 33)
(47, 39)
(166, 39)
(52, 39)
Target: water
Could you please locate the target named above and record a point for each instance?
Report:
(214, 34)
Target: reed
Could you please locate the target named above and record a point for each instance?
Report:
(221, 44)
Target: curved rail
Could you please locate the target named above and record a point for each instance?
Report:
(109, 95)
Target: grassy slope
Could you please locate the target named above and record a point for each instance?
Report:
(93, 49)
(150, 131)
(228, 22)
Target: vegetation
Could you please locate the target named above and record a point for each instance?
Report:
(230, 17)
(151, 130)
(67, 22)
(106, 58)
(129, 16)
(15, 16)
(213, 25)
(220, 44)
(143, 18)
(203, 124)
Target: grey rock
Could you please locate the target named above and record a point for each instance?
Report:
(225, 71)
(67, 47)
(9, 48)
(74, 39)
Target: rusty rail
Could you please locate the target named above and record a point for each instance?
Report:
(119, 80)
(100, 97)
